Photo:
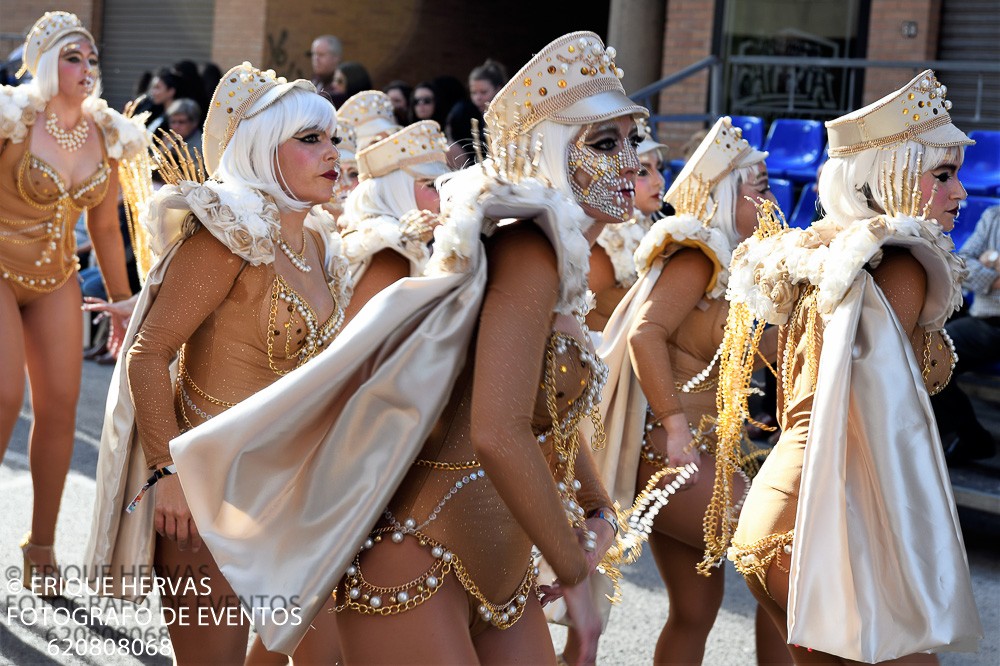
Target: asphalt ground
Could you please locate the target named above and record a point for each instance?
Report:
(33, 631)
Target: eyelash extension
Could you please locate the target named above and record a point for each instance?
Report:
(336, 140)
(943, 177)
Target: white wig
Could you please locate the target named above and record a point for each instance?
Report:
(850, 188)
(46, 79)
(725, 196)
(390, 195)
(251, 157)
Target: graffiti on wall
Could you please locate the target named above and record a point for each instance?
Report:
(283, 61)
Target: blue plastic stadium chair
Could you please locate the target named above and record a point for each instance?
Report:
(783, 192)
(968, 216)
(796, 149)
(805, 209)
(668, 178)
(676, 166)
(981, 169)
(753, 129)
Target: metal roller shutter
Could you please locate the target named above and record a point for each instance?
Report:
(143, 35)
(970, 30)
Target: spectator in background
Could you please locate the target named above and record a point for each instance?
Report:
(423, 102)
(192, 87)
(977, 344)
(458, 130)
(349, 79)
(399, 94)
(163, 90)
(485, 81)
(449, 91)
(324, 56)
(183, 117)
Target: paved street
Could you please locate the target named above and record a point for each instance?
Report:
(25, 626)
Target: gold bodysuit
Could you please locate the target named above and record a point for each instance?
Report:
(38, 212)
(235, 328)
(447, 517)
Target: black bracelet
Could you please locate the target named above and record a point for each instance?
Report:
(157, 475)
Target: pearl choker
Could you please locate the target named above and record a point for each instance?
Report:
(72, 140)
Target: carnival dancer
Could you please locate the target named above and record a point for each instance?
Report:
(612, 265)
(833, 537)
(425, 422)
(60, 146)
(250, 283)
(661, 345)
(390, 216)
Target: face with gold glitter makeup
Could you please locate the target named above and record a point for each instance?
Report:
(78, 69)
(602, 165)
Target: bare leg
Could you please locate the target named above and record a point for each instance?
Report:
(527, 642)
(11, 365)
(53, 334)
(678, 544)
(771, 647)
(201, 640)
(321, 644)
(694, 601)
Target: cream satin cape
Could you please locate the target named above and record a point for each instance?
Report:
(286, 485)
(878, 568)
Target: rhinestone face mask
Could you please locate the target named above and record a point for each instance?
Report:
(609, 191)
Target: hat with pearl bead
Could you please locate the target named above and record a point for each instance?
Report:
(573, 81)
(46, 32)
(243, 92)
(722, 151)
(916, 112)
(370, 113)
(419, 149)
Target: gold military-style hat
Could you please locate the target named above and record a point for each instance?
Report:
(46, 32)
(722, 151)
(243, 92)
(916, 112)
(573, 80)
(419, 149)
(370, 114)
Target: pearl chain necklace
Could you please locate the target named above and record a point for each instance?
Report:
(298, 260)
(72, 140)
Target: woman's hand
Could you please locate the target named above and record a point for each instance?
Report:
(120, 312)
(605, 537)
(674, 438)
(172, 517)
(586, 622)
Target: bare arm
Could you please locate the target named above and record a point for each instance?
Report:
(106, 237)
(904, 282)
(515, 325)
(387, 266)
(677, 291)
(198, 279)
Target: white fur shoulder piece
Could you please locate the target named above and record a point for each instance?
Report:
(337, 268)
(241, 218)
(124, 138)
(766, 272)
(19, 107)
(690, 231)
(620, 241)
(474, 200)
(366, 237)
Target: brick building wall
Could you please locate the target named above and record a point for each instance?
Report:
(239, 32)
(687, 39)
(886, 41)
